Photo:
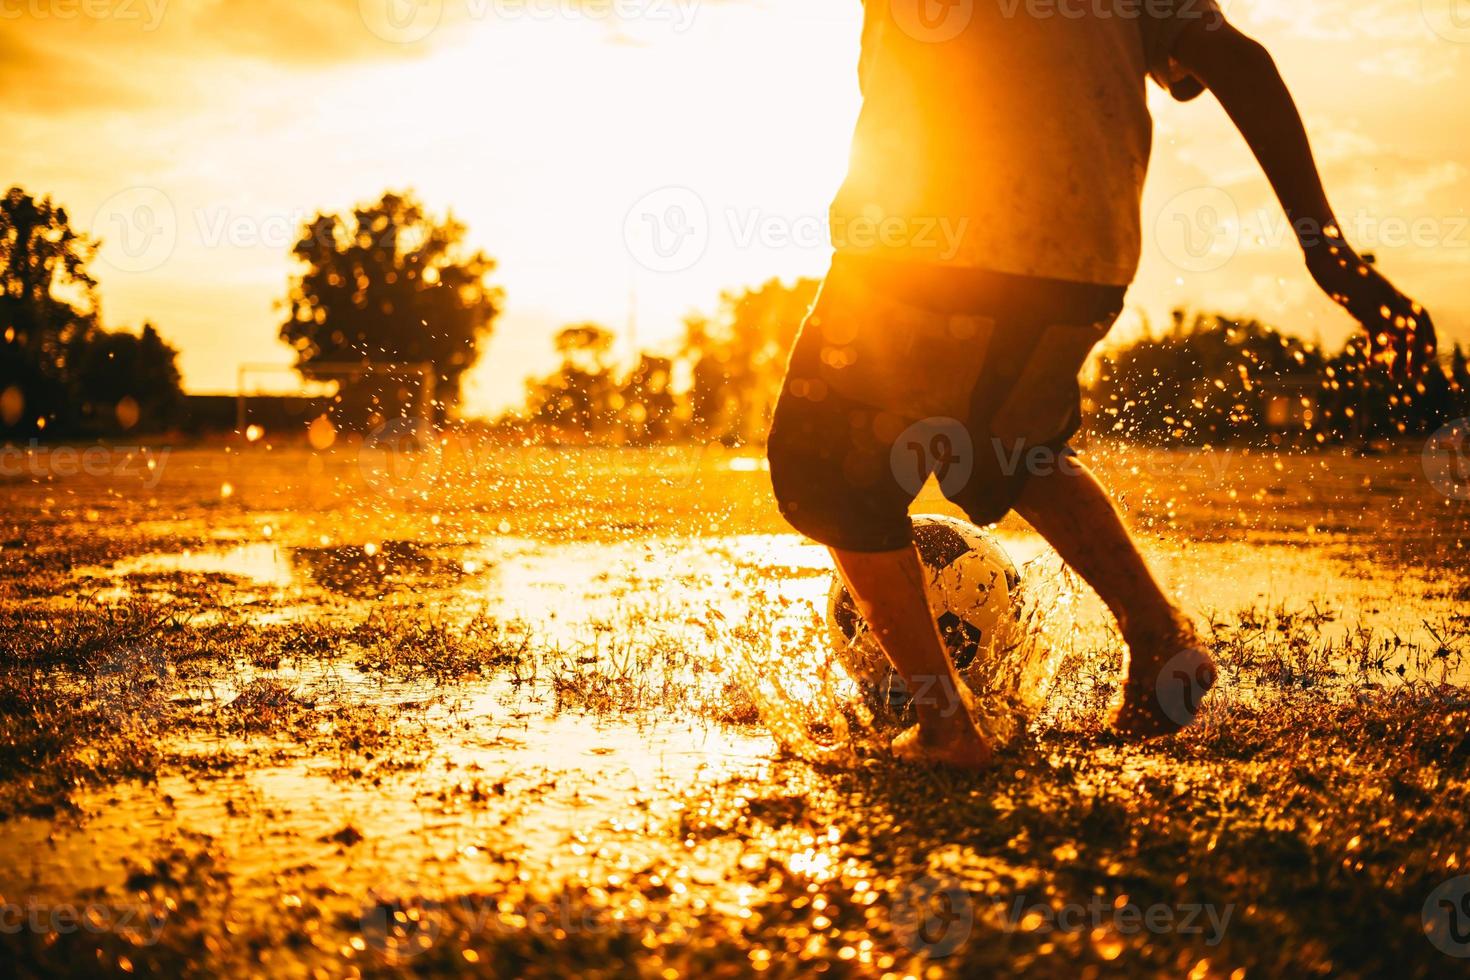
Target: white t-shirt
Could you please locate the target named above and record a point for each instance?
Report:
(1010, 135)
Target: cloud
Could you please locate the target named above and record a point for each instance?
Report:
(1407, 64)
(140, 54)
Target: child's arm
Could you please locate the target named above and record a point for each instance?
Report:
(1241, 74)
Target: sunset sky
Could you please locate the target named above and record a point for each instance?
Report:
(558, 132)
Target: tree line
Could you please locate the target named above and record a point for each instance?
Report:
(390, 283)
(1212, 379)
(62, 373)
(1205, 379)
(720, 383)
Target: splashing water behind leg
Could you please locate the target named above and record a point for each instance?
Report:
(783, 662)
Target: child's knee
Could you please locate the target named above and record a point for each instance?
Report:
(986, 505)
(999, 482)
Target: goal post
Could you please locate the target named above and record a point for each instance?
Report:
(293, 397)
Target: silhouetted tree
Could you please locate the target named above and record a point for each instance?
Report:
(587, 398)
(581, 396)
(738, 359)
(124, 380)
(649, 411)
(60, 372)
(1213, 379)
(390, 284)
(47, 307)
(1205, 380)
(1460, 383)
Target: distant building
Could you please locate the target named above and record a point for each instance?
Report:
(282, 414)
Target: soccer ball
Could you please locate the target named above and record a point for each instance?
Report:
(973, 590)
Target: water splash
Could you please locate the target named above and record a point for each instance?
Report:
(782, 661)
(1012, 686)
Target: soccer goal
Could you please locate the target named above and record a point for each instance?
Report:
(351, 396)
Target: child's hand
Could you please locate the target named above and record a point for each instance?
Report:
(1400, 332)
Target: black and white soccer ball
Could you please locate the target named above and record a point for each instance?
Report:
(973, 590)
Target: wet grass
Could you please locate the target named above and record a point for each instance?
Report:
(1298, 830)
(421, 647)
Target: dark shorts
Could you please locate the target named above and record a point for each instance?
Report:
(905, 371)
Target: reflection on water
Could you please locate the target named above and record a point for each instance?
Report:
(373, 570)
(325, 776)
(749, 609)
(566, 593)
(261, 562)
(562, 786)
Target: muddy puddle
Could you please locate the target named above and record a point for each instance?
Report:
(357, 700)
(568, 593)
(505, 770)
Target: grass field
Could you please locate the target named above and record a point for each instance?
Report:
(538, 712)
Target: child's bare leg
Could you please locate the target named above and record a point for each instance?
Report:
(889, 589)
(1074, 513)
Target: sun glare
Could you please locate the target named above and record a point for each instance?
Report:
(752, 108)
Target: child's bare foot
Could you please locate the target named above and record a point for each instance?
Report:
(1168, 674)
(947, 738)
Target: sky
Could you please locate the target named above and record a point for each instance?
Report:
(626, 160)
